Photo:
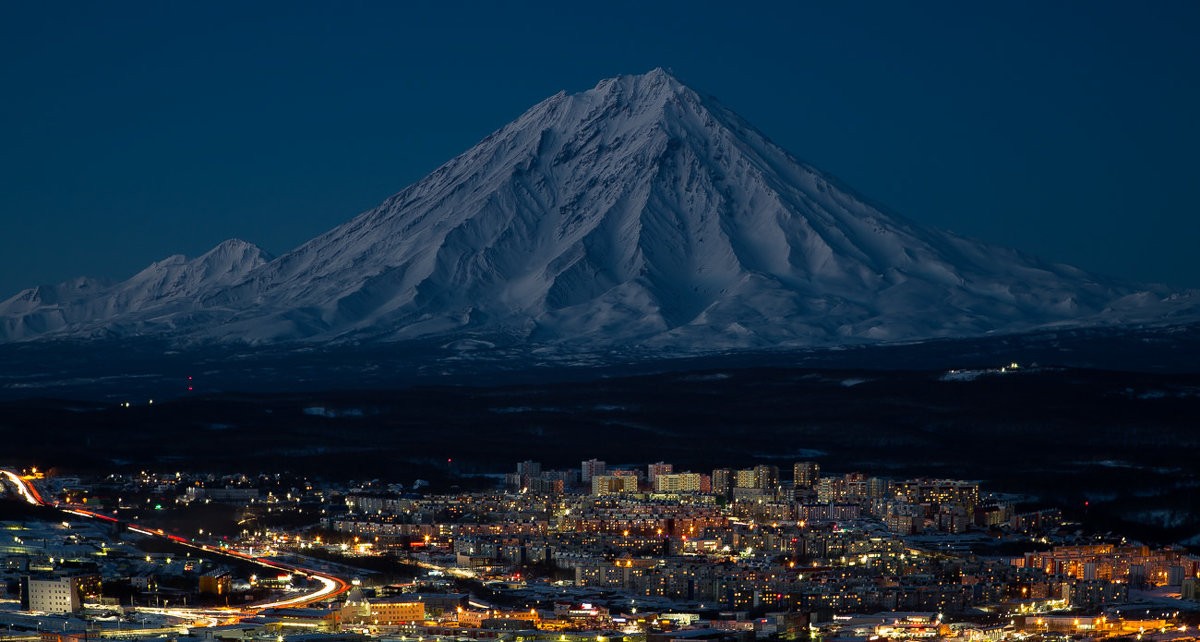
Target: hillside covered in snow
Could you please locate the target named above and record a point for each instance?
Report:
(635, 213)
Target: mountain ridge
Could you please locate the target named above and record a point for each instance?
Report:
(636, 212)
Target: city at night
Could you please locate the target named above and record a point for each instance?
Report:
(625, 322)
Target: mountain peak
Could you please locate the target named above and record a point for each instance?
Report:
(655, 86)
(657, 78)
(235, 245)
(244, 250)
(633, 214)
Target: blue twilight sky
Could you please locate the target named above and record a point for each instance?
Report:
(132, 131)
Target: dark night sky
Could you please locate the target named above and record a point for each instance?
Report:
(133, 131)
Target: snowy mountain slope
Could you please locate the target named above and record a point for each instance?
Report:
(638, 212)
(155, 299)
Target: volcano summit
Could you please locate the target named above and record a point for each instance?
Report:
(636, 213)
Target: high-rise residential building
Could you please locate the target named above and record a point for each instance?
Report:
(863, 487)
(654, 470)
(806, 473)
(831, 489)
(527, 472)
(614, 484)
(766, 476)
(939, 491)
(723, 480)
(567, 477)
(58, 594)
(546, 484)
(761, 476)
(678, 483)
(590, 469)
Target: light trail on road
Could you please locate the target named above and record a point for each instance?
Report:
(330, 585)
(26, 490)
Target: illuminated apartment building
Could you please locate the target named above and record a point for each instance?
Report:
(589, 469)
(654, 470)
(678, 483)
(62, 594)
(806, 473)
(613, 484)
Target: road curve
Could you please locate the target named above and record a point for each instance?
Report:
(330, 585)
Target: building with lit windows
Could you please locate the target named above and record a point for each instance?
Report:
(939, 491)
(590, 469)
(660, 468)
(761, 476)
(678, 483)
(396, 611)
(216, 582)
(1135, 564)
(614, 484)
(61, 594)
(806, 473)
(722, 481)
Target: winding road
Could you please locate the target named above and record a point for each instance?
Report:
(330, 585)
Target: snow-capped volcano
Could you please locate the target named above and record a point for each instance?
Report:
(638, 212)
